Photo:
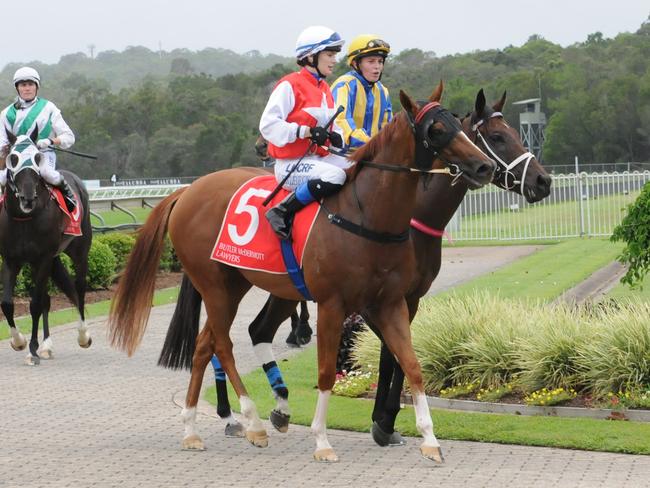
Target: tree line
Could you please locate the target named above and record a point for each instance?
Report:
(183, 118)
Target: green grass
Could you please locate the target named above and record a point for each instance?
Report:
(68, 315)
(547, 273)
(117, 217)
(355, 414)
(623, 292)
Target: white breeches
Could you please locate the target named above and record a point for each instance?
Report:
(329, 168)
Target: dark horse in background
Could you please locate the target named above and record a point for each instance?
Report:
(31, 233)
(517, 171)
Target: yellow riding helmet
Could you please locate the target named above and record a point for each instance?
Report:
(365, 45)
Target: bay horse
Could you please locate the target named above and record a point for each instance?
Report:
(380, 194)
(31, 233)
(517, 171)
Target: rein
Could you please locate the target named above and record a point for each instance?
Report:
(425, 150)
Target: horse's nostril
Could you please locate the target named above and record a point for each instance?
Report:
(484, 170)
(544, 180)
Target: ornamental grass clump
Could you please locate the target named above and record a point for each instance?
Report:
(366, 351)
(439, 330)
(488, 356)
(618, 356)
(547, 397)
(547, 357)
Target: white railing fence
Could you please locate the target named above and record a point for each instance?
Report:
(579, 205)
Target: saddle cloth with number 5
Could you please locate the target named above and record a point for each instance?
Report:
(246, 239)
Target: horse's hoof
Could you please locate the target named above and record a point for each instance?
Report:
(17, 347)
(326, 456)
(46, 354)
(235, 430)
(193, 443)
(280, 421)
(258, 439)
(379, 436)
(432, 454)
(396, 440)
(303, 340)
(32, 360)
(87, 344)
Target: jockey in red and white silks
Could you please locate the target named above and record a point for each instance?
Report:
(297, 111)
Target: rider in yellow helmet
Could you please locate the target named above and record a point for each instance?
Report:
(366, 101)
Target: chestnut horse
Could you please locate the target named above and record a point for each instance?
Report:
(380, 194)
(517, 171)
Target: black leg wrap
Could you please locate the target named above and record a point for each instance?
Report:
(223, 404)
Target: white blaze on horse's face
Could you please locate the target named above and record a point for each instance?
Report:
(24, 155)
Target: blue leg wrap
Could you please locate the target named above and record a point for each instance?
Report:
(219, 373)
(274, 375)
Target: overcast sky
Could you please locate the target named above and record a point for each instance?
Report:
(45, 30)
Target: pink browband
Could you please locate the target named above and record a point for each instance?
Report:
(425, 229)
(424, 110)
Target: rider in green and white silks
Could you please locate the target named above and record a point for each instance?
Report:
(28, 112)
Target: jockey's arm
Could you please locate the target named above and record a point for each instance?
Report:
(353, 136)
(62, 135)
(273, 123)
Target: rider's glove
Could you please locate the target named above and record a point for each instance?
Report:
(318, 135)
(44, 143)
(336, 140)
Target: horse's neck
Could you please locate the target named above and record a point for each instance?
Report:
(437, 203)
(383, 200)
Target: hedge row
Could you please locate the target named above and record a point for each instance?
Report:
(493, 342)
(107, 257)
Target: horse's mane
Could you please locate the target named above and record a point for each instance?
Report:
(369, 150)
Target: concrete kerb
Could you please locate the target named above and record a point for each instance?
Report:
(533, 410)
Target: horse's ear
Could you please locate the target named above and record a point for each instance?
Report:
(498, 107)
(479, 105)
(10, 137)
(408, 103)
(34, 135)
(436, 96)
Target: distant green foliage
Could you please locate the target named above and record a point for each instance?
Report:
(634, 231)
(185, 113)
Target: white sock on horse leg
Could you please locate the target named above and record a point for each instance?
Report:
(264, 352)
(423, 420)
(249, 411)
(318, 424)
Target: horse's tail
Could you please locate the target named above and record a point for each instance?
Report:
(181, 336)
(132, 301)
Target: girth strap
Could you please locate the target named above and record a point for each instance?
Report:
(382, 237)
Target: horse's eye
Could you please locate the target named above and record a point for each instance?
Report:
(497, 138)
(37, 158)
(436, 131)
(14, 159)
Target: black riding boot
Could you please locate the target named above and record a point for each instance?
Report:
(67, 195)
(281, 216)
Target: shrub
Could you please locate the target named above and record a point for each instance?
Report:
(101, 265)
(168, 260)
(546, 397)
(121, 245)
